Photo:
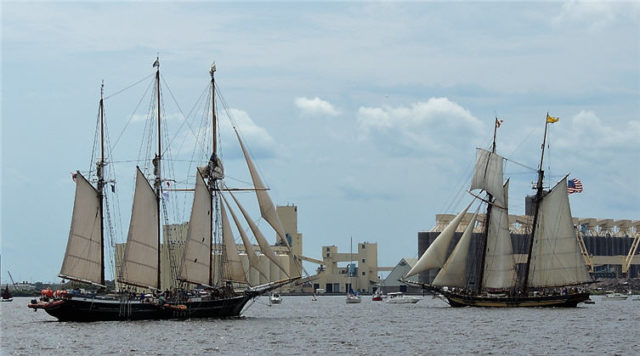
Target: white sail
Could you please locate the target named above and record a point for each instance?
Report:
(233, 263)
(140, 262)
(454, 271)
(487, 174)
(254, 261)
(82, 259)
(196, 261)
(262, 242)
(267, 209)
(436, 253)
(555, 257)
(499, 266)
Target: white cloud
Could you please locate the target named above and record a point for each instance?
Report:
(256, 138)
(595, 14)
(437, 125)
(316, 107)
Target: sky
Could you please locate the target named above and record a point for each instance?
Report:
(366, 115)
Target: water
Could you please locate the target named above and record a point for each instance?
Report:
(301, 326)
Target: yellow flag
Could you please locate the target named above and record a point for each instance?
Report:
(551, 119)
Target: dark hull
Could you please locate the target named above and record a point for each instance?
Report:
(103, 309)
(569, 300)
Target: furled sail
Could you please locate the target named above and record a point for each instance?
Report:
(82, 259)
(555, 257)
(454, 271)
(487, 174)
(267, 209)
(436, 253)
(140, 262)
(248, 247)
(499, 266)
(196, 261)
(262, 242)
(233, 262)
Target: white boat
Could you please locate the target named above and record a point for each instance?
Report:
(616, 296)
(275, 298)
(353, 298)
(401, 298)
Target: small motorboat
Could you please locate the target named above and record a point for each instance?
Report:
(401, 298)
(377, 296)
(275, 298)
(616, 296)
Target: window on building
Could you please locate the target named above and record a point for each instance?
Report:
(327, 249)
(363, 245)
(363, 273)
(363, 260)
(328, 254)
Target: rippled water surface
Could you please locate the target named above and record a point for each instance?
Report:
(302, 326)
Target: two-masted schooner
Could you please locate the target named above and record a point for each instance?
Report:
(554, 271)
(212, 280)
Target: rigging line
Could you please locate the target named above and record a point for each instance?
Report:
(520, 164)
(185, 121)
(130, 86)
(131, 117)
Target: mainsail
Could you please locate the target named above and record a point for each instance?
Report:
(267, 209)
(487, 174)
(140, 263)
(555, 256)
(233, 262)
(499, 267)
(436, 254)
(196, 263)
(454, 271)
(84, 251)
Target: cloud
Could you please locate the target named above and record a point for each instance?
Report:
(595, 14)
(257, 139)
(435, 126)
(316, 107)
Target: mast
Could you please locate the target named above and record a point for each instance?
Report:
(156, 165)
(212, 180)
(537, 201)
(485, 237)
(100, 174)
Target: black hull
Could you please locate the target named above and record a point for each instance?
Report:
(102, 309)
(566, 301)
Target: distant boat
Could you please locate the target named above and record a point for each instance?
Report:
(352, 297)
(212, 288)
(401, 298)
(615, 296)
(275, 298)
(377, 296)
(6, 295)
(554, 269)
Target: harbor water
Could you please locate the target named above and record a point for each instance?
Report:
(300, 326)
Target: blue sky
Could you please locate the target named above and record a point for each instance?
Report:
(365, 115)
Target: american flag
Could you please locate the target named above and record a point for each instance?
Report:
(574, 186)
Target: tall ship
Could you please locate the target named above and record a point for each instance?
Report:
(208, 280)
(554, 272)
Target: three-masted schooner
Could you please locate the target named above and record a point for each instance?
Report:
(554, 269)
(204, 292)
